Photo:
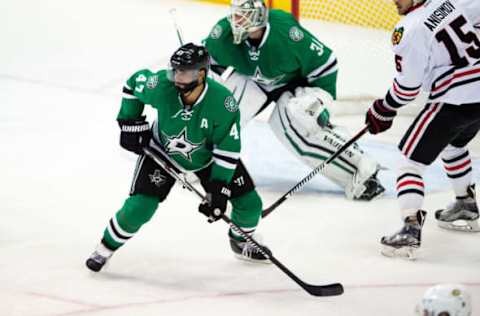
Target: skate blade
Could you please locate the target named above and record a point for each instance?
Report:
(406, 252)
(248, 259)
(460, 225)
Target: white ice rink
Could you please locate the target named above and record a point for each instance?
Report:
(62, 66)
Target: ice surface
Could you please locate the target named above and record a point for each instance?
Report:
(62, 67)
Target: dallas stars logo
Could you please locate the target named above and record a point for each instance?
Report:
(179, 144)
(263, 80)
(157, 177)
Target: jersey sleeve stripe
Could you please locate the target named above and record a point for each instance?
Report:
(129, 97)
(391, 103)
(227, 159)
(396, 98)
(230, 154)
(454, 79)
(404, 88)
(224, 164)
(329, 67)
(128, 93)
(403, 93)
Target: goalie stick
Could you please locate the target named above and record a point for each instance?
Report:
(313, 173)
(316, 290)
(173, 14)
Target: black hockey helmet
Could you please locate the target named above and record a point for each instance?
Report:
(189, 57)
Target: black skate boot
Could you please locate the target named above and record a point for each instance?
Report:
(99, 258)
(461, 215)
(373, 189)
(244, 251)
(405, 242)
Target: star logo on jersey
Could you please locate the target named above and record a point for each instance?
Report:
(180, 144)
(259, 78)
(157, 178)
(397, 35)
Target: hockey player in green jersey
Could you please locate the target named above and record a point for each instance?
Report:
(266, 56)
(198, 127)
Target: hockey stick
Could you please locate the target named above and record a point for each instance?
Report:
(313, 173)
(173, 14)
(315, 290)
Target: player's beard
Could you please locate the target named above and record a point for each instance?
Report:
(186, 88)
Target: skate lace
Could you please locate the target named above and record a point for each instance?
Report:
(247, 250)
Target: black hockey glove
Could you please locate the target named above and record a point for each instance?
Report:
(216, 204)
(379, 118)
(135, 134)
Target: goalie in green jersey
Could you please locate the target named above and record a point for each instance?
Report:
(198, 127)
(265, 56)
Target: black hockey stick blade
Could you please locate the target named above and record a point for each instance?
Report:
(333, 289)
(315, 290)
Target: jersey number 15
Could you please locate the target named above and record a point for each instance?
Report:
(469, 37)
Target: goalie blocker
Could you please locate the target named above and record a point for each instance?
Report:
(302, 124)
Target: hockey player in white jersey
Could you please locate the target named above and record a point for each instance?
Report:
(436, 48)
(271, 59)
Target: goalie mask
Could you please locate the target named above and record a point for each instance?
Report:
(247, 16)
(445, 300)
(185, 66)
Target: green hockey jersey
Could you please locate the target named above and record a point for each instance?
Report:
(193, 136)
(287, 52)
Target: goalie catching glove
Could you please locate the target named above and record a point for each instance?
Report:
(217, 197)
(135, 134)
(379, 118)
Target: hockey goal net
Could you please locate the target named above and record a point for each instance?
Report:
(369, 13)
(372, 14)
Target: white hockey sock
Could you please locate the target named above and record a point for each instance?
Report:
(237, 236)
(458, 166)
(410, 192)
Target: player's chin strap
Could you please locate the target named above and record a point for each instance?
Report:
(164, 161)
(314, 172)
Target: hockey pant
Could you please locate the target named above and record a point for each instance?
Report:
(151, 185)
(440, 129)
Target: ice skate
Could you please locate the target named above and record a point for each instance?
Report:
(461, 215)
(405, 242)
(244, 251)
(373, 189)
(99, 258)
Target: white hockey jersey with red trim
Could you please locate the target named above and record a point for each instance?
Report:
(437, 49)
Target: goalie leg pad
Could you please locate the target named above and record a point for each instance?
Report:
(295, 125)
